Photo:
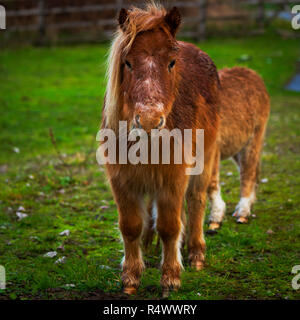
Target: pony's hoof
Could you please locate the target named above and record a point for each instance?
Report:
(167, 290)
(214, 226)
(129, 290)
(242, 220)
(197, 265)
(197, 259)
(165, 293)
(211, 232)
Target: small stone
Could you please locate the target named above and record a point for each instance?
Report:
(104, 267)
(21, 215)
(61, 248)
(50, 254)
(61, 260)
(65, 233)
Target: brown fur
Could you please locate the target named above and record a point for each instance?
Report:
(244, 113)
(187, 96)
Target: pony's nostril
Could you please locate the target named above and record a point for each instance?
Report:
(161, 122)
(137, 120)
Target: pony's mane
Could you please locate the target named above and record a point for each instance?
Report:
(138, 20)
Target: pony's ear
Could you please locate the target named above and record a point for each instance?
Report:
(173, 19)
(123, 15)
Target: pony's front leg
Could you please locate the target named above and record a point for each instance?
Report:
(196, 201)
(170, 229)
(131, 226)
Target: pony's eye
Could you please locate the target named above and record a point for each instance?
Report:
(172, 64)
(128, 64)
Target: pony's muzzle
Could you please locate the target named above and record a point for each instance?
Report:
(149, 121)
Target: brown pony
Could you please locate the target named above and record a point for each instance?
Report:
(155, 81)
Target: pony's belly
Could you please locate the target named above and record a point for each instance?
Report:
(228, 151)
(233, 141)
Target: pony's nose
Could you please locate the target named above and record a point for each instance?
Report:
(137, 121)
(148, 122)
(161, 123)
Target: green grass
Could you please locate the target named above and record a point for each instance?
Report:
(62, 88)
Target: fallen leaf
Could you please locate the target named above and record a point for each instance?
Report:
(244, 57)
(34, 238)
(3, 168)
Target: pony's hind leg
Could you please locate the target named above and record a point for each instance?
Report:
(183, 221)
(149, 227)
(249, 161)
(218, 206)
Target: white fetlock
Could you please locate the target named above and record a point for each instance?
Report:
(243, 209)
(218, 208)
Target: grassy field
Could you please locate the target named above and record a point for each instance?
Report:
(61, 187)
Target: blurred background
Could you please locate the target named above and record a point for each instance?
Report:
(59, 236)
(65, 21)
